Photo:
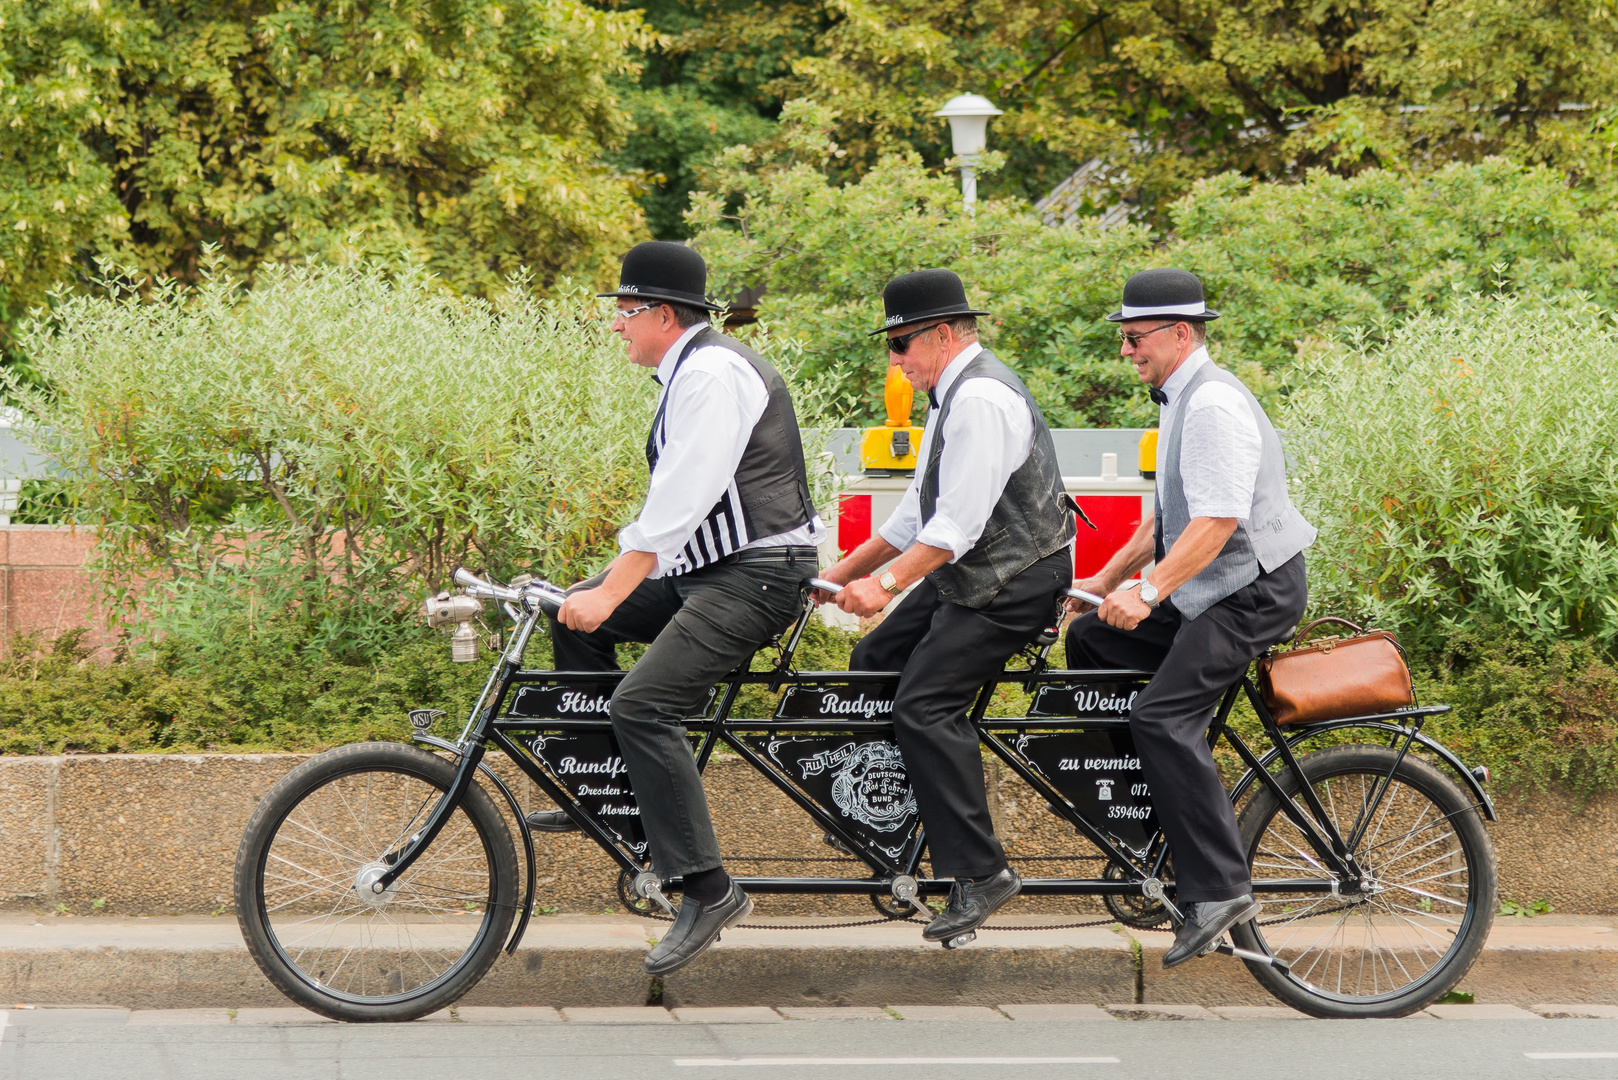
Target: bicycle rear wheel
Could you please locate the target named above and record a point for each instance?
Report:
(1420, 921)
(310, 853)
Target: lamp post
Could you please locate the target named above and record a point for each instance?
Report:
(968, 117)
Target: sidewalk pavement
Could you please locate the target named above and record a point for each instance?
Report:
(191, 962)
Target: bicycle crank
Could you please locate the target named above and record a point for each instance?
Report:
(1225, 948)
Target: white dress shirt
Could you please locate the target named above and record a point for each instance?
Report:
(989, 435)
(1220, 448)
(712, 407)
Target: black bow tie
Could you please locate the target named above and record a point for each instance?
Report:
(1158, 396)
(932, 400)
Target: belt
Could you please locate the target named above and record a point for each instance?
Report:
(794, 553)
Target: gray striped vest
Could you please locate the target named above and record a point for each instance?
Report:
(1274, 530)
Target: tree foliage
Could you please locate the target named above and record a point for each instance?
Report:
(1290, 265)
(1165, 93)
(462, 137)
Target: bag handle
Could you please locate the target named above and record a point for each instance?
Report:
(1307, 630)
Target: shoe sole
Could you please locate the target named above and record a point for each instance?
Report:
(927, 935)
(745, 910)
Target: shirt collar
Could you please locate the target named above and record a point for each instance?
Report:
(1175, 383)
(665, 366)
(953, 369)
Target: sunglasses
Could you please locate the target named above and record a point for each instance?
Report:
(1134, 340)
(900, 345)
(629, 313)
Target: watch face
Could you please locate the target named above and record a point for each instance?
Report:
(1148, 592)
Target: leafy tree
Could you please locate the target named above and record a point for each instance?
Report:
(1291, 266)
(462, 137)
(1167, 92)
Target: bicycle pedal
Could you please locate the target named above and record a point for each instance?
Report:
(961, 939)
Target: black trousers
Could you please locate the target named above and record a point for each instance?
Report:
(947, 652)
(1196, 661)
(700, 625)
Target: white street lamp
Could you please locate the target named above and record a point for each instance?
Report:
(968, 117)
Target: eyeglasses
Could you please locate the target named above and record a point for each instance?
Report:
(900, 345)
(1133, 340)
(632, 312)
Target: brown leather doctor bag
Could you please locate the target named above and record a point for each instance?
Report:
(1335, 677)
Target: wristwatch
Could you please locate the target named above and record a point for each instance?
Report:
(1148, 594)
(889, 583)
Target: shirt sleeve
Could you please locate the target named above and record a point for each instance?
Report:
(989, 435)
(709, 417)
(900, 528)
(1219, 453)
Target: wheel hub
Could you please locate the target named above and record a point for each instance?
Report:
(365, 885)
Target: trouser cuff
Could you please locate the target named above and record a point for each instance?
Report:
(1213, 896)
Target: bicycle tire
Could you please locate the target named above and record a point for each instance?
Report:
(1434, 884)
(308, 849)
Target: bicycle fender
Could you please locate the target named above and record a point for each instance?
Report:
(1446, 755)
(522, 827)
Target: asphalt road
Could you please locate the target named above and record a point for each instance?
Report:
(46, 1045)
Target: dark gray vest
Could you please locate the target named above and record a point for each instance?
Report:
(1028, 523)
(771, 483)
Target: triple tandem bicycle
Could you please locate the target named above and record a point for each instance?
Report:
(379, 881)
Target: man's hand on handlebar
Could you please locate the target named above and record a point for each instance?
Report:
(1096, 585)
(863, 597)
(824, 596)
(586, 610)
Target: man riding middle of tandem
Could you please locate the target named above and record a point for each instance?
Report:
(983, 533)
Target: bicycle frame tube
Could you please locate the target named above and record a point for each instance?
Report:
(487, 725)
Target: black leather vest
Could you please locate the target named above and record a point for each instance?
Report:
(1029, 522)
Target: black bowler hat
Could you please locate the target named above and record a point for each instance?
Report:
(659, 270)
(1162, 294)
(923, 295)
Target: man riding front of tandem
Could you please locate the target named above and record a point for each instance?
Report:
(711, 570)
(1228, 582)
(983, 535)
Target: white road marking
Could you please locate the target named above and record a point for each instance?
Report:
(708, 1063)
(1563, 1055)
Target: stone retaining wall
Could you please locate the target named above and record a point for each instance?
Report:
(151, 833)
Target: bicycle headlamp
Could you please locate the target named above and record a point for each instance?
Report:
(444, 609)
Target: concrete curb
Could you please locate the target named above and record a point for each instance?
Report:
(194, 963)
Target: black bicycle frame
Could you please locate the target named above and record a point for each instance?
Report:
(859, 796)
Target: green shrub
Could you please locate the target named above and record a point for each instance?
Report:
(261, 691)
(1289, 265)
(1462, 474)
(331, 444)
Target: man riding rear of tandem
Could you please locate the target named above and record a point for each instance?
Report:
(1228, 546)
(983, 535)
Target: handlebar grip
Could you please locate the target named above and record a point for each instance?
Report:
(1087, 597)
(824, 586)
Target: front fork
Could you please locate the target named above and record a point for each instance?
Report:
(471, 747)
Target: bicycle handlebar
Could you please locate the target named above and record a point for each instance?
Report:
(830, 587)
(539, 594)
(1087, 597)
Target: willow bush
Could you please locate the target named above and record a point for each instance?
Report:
(1463, 474)
(329, 445)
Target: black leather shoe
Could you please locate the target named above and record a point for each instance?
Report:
(551, 821)
(1205, 924)
(695, 928)
(971, 903)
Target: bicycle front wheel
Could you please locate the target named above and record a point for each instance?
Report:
(1420, 917)
(316, 843)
